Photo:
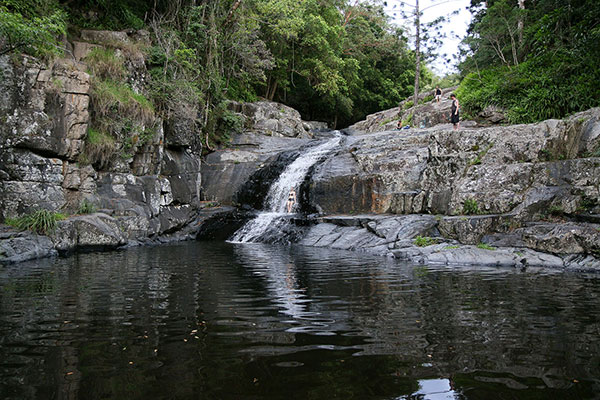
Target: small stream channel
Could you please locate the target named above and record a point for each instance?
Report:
(208, 320)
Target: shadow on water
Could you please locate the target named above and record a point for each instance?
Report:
(253, 321)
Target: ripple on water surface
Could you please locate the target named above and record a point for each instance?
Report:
(219, 320)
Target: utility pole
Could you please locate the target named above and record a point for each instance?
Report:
(417, 53)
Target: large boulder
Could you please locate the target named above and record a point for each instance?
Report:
(273, 119)
(95, 231)
(18, 246)
(492, 115)
(425, 115)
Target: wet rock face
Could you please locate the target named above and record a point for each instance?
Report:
(254, 191)
(225, 172)
(377, 173)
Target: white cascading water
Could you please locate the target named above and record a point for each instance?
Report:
(275, 211)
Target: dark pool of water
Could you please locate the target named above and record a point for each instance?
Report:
(225, 321)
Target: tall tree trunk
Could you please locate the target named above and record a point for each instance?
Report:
(417, 53)
(520, 23)
(268, 86)
(271, 94)
(232, 11)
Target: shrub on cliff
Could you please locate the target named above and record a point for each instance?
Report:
(22, 30)
(122, 119)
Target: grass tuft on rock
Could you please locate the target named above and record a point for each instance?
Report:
(105, 64)
(470, 207)
(109, 97)
(41, 222)
(100, 147)
(424, 241)
(86, 207)
(485, 246)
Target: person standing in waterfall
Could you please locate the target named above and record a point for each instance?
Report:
(291, 200)
(454, 116)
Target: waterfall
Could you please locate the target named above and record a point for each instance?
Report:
(274, 215)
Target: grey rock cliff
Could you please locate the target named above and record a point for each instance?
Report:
(533, 187)
(45, 115)
(158, 189)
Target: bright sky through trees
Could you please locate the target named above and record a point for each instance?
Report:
(455, 27)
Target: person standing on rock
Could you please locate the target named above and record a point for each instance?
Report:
(438, 94)
(454, 115)
(291, 200)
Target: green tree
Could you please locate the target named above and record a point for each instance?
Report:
(206, 52)
(334, 60)
(537, 60)
(386, 65)
(23, 28)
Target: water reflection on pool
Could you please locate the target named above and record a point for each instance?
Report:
(225, 321)
(434, 389)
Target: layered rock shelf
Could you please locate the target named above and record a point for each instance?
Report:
(519, 195)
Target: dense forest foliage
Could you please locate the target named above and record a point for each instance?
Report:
(333, 60)
(535, 59)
